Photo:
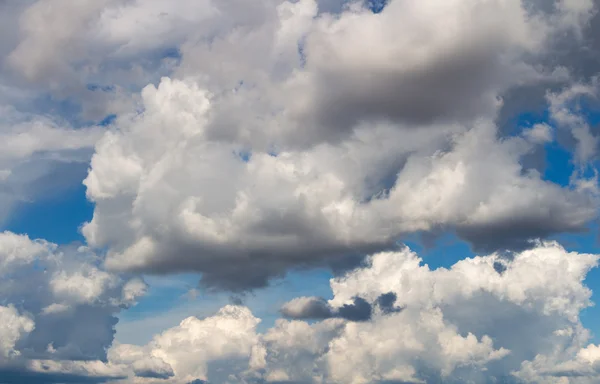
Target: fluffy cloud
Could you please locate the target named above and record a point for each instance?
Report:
(57, 303)
(530, 332)
(14, 327)
(341, 147)
(246, 140)
(304, 148)
(258, 214)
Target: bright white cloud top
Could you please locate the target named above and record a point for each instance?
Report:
(243, 140)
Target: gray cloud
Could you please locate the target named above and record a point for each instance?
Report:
(318, 308)
(307, 308)
(17, 376)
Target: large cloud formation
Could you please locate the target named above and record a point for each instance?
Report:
(530, 333)
(243, 140)
(321, 136)
(223, 210)
(294, 134)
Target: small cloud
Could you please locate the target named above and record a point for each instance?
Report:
(56, 308)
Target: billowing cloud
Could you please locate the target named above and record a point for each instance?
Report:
(358, 309)
(241, 141)
(258, 214)
(277, 141)
(304, 148)
(56, 304)
(531, 332)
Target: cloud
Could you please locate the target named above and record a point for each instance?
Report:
(217, 346)
(307, 308)
(57, 304)
(14, 327)
(253, 219)
(565, 109)
(317, 308)
(336, 147)
(531, 332)
(242, 141)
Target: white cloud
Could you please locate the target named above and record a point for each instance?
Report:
(306, 206)
(14, 326)
(188, 350)
(56, 302)
(18, 250)
(531, 329)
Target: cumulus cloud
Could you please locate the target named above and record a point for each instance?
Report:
(56, 304)
(531, 331)
(14, 327)
(320, 142)
(254, 217)
(241, 141)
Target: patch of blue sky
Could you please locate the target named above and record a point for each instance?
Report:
(244, 154)
(108, 120)
(171, 299)
(376, 6)
(559, 164)
(57, 219)
(443, 252)
(100, 88)
(171, 53)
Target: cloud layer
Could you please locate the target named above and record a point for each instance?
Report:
(530, 333)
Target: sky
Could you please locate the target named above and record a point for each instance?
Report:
(300, 191)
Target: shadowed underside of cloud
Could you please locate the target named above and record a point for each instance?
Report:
(13, 376)
(311, 308)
